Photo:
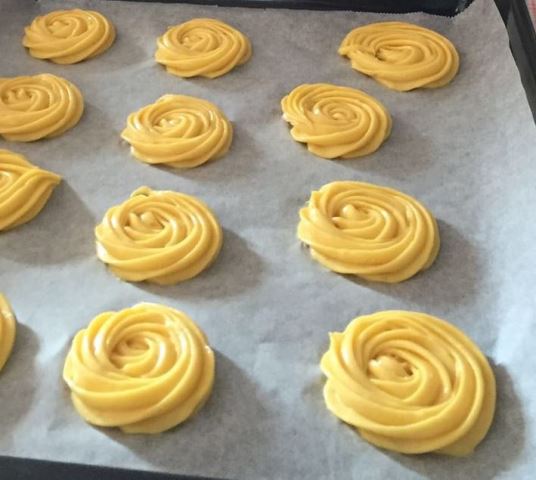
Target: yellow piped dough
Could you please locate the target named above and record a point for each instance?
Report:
(401, 56)
(202, 47)
(178, 131)
(374, 232)
(336, 121)
(69, 36)
(162, 237)
(143, 369)
(410, 382)
(38, 106)
(8, 329)
(24, 189)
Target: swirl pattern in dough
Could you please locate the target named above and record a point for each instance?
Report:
(202, 47)
(178, 131)
(374, 232)
(24, 189)
(37, 107)
(69, 36)
(162, 237)
(143, 369)
(401, 56)
(336, 121)
(410, 382)
(8, 329)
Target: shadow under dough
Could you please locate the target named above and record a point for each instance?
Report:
(18, 381)
(457, 267)
(229, 423)
(240, 79)
(124, 52)
(62, 231)
(242, 158)
(499, 449)
(397, 155)
(236, 269)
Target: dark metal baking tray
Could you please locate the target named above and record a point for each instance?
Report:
(437, 7)
(523, 44)
(12, 468)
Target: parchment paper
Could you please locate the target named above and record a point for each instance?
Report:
(467, 151)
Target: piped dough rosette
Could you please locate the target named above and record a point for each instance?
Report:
(69, 36)
(336, 121)
(401, 56)
(178, 131)
(24, 189)
(37, 107)
(144, 369)
(8, 329)
(202, 47)
(374, 232)
(410, 382)
(161, 237)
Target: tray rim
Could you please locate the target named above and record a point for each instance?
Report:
(523, 45)
(446, 7)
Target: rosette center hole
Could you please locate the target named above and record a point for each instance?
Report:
(201, 41)
(130, 350)
(360, 220)
(389, 367)
(65, 28)
(336, 110)
(169, 121)
(185, 122)
(353, 212)
(142, 353)
(30, 98)
(150, 220)
(398, 54)
(17, 95)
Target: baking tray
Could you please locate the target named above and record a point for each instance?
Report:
(12, 468)
(436, 7)
(20, 468)
(523, 44)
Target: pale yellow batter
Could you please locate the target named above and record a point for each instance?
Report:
(144, 369)
(162, 237)
(69, 36)
(37, 107)
(336, 121)
(24, 189)
(401, 56)
(178, 131)
(374, 232)
(8, 329)
(410, 382)
(202, 47)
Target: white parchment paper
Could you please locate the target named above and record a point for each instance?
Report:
(468, 151)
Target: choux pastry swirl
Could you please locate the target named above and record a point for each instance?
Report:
(178, 131)
(69, 36)
(37, 107)
(202, 47)
(410, 382)
(401, 56)
(374, 232)
(24, 189)
(161, 237)
(8, 329)
(336, 121)
(143, 369)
